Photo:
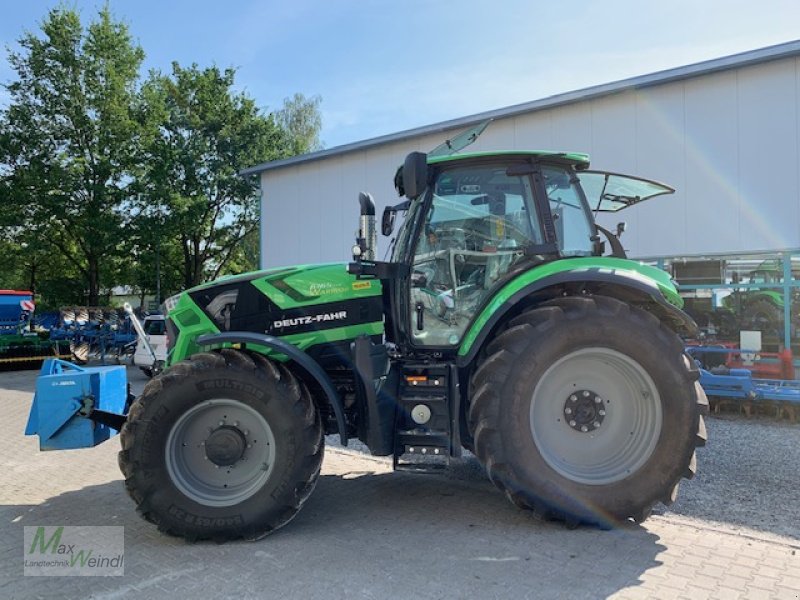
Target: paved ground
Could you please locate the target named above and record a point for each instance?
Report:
(370, 533)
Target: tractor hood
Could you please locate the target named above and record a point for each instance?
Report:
(301, 285)
(309, 304)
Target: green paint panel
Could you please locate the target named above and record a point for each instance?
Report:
(191, 323)
(622, 268)
(288, 287)
(309, 285)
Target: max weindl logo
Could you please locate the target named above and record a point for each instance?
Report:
(74, 550)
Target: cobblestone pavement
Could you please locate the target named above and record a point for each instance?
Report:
(369, 533)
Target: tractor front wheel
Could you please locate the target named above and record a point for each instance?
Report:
(224, 445)
(587, 410)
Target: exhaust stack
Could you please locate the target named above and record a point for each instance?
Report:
(367, 234)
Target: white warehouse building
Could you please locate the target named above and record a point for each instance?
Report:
(724, 133)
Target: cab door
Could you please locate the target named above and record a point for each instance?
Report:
(479, 223)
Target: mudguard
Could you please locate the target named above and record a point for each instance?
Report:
(601, 278)
(308, 364)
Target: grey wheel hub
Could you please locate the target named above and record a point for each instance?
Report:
(584, 411)
(220, 452)
(225, 446)
(596, 416)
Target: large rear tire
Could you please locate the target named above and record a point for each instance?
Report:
(587, 410)
(222, 446)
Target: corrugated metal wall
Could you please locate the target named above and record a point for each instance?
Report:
(727, 141)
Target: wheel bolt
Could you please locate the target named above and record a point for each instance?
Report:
(246, 432)
(585, 394)
(236, 423)
(597, 399)
(596, 424)
(568, 411)
(584, 428)
(572, 423)
(249, 445)
(221, 423)
(602, 413)
(573, 398)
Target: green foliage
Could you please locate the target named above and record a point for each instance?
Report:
(204, 134)
(107, 180)
(301, 121)
(69, 141)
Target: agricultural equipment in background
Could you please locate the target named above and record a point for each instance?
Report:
(96, 332)
(735, 387)
(21, 346)
(497, 326)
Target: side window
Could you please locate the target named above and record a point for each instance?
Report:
(155, 327)
(477, 228)
(573, 228)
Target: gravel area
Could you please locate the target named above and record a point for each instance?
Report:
(748, 475)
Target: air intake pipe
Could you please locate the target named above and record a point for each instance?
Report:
(367, 240)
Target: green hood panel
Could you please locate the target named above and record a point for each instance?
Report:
(304, 285)
(617, 267)
(314, 284)
(305, 305)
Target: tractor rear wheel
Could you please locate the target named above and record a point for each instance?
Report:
(586, 409)
(221, 446)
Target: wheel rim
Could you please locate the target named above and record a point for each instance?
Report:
(220, 452)
(596, 416)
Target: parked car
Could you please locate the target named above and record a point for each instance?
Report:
(155, 329)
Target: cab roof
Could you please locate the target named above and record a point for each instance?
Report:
(578, 159)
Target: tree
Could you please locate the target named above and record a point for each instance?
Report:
(301, 120)
(69, 138)
(201, 135)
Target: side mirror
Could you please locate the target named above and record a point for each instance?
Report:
(389, 213)
(621, 228)
(415, 174)
(387, 221)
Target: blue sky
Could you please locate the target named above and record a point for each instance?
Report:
(384, 66)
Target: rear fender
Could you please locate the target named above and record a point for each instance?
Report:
(635, 291)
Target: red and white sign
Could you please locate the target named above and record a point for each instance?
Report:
(27, 305)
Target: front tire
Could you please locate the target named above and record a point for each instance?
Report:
(587, 410)
(222, 446)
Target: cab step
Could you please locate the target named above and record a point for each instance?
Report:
(427, 418)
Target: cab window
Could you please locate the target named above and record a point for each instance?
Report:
(571, 217)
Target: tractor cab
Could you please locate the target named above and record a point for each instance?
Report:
(475, 221)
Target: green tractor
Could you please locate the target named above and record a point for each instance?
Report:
(497, 326)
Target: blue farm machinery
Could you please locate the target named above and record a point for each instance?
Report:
(730, 384)
(77, 407)
(105, 333)
(21, 346)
